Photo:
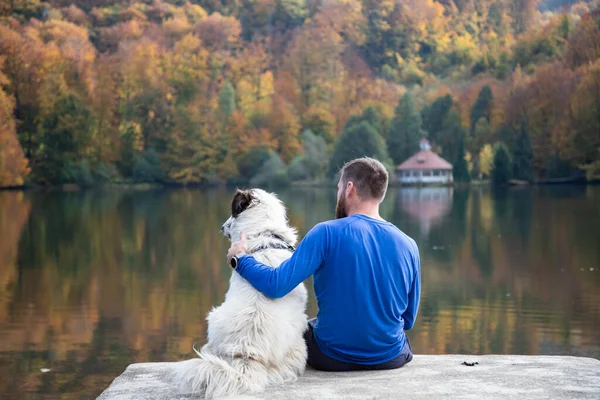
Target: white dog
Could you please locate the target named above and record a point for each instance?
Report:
(253, 341)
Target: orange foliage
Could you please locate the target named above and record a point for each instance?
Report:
(580, 140)
(13, 165)
(219, 32)
(130, 30)
(584, 45)
(287, 87)
(285, 128)
(160, 65)
(77, 52)
(467, 96)
(548, 103)
(346, 17)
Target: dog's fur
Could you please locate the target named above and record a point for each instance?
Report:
(253, 341)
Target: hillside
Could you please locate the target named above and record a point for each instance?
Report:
(226, 91)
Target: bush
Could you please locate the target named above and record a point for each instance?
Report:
(272, 173)
(315, 154)
(298, 169)
(78, 173)
(558, 168)
(146, 168)
(105, 173)
(251, 162)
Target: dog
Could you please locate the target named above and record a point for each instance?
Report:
(253, 341)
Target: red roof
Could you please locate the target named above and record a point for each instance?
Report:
(425, 159)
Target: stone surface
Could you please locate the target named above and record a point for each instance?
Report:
(426, 377)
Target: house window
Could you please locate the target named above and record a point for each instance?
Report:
(426, 173)
(415, 173)
(436, 172)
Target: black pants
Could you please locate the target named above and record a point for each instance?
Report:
(320, 361)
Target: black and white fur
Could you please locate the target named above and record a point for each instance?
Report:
(253, 341)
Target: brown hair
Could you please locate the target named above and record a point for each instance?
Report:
(368, 175)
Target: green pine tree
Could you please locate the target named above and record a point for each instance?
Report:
(480, 137)
(522, 166)
(507, 135)
(359, 140)
(450, 135)
(435, 115)
(482, 107)
(369, 115)
(405, 131)
(372, 117)
(226, 100)
(502, 166)
(460, 168)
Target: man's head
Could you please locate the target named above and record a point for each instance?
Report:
(363, 180)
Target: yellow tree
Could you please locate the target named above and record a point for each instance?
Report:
(144, 93)
(188, 69)
(285, 128)
(486, 158)
(191, 154)
(580, 140)
(77, 54)
(346, 17)
(255, 82)
(140, 68)
(584, 45)
(547, 107)
(312, 60)
(13, 164)
(104, 101)
(24, 58)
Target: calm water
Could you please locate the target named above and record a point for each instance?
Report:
(91, 282)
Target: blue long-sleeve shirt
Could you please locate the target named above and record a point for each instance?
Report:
(367, 283)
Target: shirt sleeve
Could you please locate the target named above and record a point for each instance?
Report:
(414, 296)
(277, 282)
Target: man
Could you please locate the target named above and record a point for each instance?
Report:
(366, 278)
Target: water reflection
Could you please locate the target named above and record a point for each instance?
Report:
(93, 281)
(429, 206)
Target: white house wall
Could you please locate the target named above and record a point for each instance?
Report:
(420, 178)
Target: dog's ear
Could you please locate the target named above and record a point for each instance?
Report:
(241, 201)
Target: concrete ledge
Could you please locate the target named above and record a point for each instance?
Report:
(426, 377)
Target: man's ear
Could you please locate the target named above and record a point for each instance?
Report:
(241, 201)
(350, 189)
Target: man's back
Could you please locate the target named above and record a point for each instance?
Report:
(367, 290)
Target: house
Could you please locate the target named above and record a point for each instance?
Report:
(424, 167)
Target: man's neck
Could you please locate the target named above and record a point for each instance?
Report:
(369, 209)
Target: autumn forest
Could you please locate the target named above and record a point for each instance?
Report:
(263, 91)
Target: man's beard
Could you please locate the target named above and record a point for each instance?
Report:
(340, 208)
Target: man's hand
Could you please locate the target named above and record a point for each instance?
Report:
(236, 248)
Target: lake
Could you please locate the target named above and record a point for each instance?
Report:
(93, 281)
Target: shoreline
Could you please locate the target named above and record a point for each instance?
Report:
(301, 184)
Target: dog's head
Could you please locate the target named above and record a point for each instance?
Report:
(254, 211)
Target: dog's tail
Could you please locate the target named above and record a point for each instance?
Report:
(214, 377)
